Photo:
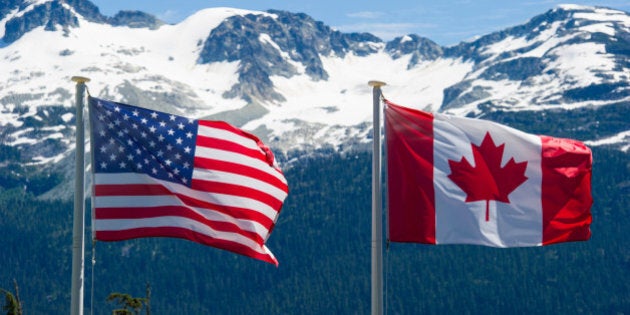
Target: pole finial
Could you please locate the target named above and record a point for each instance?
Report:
(378, 84)
(80, 79)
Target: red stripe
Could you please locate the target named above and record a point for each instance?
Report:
(236, 212)
(187, 234)
(225, 145)
(236, 190)
(131, 190)
(178, 211)
(158, 190)
(566, 190)
(229, 167)
(409, 135)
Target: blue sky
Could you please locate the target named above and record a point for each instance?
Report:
(446, 22)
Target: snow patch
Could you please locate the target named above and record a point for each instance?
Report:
(605, 28)
(622, 138)
(582, 62)
(405, 38)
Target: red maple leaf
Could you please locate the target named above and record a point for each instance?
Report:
(487, 180)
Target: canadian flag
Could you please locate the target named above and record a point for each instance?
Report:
(454, 180)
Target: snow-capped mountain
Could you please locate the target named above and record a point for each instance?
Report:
(294, 81)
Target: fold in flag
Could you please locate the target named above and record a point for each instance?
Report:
(454, 180)
(162, 175)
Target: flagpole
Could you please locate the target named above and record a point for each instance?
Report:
(78, 247)
(377, 206)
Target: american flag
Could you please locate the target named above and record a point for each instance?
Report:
(163, 175)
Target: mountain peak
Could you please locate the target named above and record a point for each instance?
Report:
(277, 43)
(418, 47)
(64, 14)
(135, 19)
(37, 13)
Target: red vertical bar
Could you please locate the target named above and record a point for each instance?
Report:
(566, 190)
(411, 196)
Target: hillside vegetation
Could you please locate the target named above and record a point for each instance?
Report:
(322, 241)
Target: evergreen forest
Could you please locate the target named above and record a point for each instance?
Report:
(322, 240)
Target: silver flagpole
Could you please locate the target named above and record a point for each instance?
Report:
(78, 247)
(377, 206)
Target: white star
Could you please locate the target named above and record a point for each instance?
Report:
(154, 115)
(179, 140)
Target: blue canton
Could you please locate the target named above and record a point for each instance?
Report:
(126, 138)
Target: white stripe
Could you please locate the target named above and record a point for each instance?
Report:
(223, 199)
(227, 136)
(180, 222)
(241, 180)
(158, 201)
(230, 156)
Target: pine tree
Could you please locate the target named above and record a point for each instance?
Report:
(12, 303)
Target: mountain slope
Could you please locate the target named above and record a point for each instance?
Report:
(293, 81)
(567, 57)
